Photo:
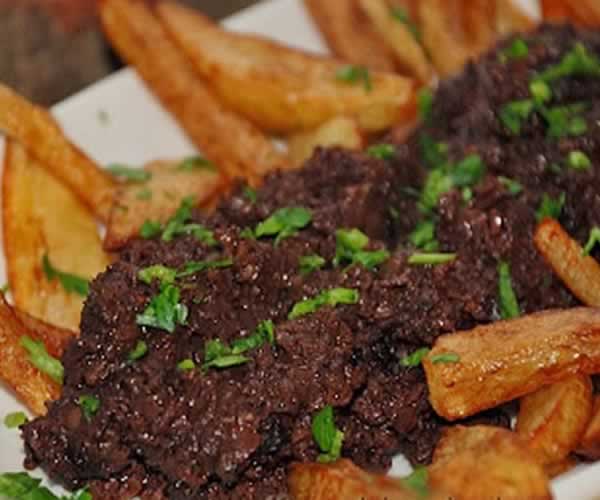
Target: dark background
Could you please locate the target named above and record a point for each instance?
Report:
(50, 49)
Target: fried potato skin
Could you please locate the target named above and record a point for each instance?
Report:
(158, 198)
(553, 419)
(37, 130)
(509, 359)
(581, 274)
(41, 216)
(350, 35)
(589, 446)
(228, 140)
(480, 461)
(285, 90)
(555, 10)
(30, 385)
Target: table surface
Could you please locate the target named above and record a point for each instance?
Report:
(46, 61)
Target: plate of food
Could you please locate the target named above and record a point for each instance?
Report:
(247, 268)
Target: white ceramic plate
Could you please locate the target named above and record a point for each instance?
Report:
(139, 130)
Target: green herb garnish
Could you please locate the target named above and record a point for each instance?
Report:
(328, 437)
(284, 223)
(423, 236)
(264, 332)
(382, 151)
(193, 163)
(144, 194)
(199, 266)
(89, 406)
(445, 357)
(330, 298)
(70, 282)
(550, 207)
(515, 113)
(21, 486)
(250, 194)
(164, 311)
(512, 186)
(310, 263)
(14, 420)
(415, 358)
(355, 74)
(186, 365)
(418, 482)
(509, 305)
(179, 225)
(39, 357)
(350, 248)
(130, 174)
(431, 259)
(247, 233)
(139, 351)
(4, 289)
(565, 121)
(435, 154)
(577, 62)
(218, 355)
(540, 91)
(150, 229)
(578, 160)
(164, 275)
(401, 15)
(425, 104)
(592, 240)
(518, 49)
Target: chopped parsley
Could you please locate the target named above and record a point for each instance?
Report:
(328, 437)
(4, 289)
(540, 91)
(20, 485)
(165, 311)
(565, 121)
(14, 420)
(444, 357)
(578, 160)
(219, 355)
(139, 351)
(202, 265)
(417, 482)
(415, 358)
(382, 151)
(435, 154)
(247, 233)
(70, 282)
(250, 194)
(164, 275)
(129, 174)
(593, 240)
(310, 263)
(401, 15)
(425, 104)
(89, 406)
(350, 248)
(144, 194)
(284, 223)
(577, 62)
(423, 236)
(39, 357)
(264, 332)
(193, 163)
(550, 207)
(509, 305)
(186, 365)
(150, 229)
(355, 74)
(431, 259)
(518, 49)
(330, 298)
(512, 186)
(515, 113)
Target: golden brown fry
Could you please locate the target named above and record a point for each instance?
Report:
(35, 128)
(55, 339)
(510, 18)
(564, 255)
(41, 216)
(484, 462)
(553, 419)
(343, 479)
(228, 140)
(29, 384)
(585, 12)
(406, 48)
(589, 446)
(478, 23)
(336, 132)
(350, 35)
(556, 10)
(509, 359)
(558, 468)
(159, 197)
(286, 90)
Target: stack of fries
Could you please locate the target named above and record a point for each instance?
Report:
(385, 50)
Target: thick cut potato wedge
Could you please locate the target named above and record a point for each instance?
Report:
(55, 339)
(228, 140)
(159, 197)
(564, 255)
(35, 128)
(478, 24)
(556, 10)
(350, 35)
(281, 89)
(336, 132)
(43, 217)
(510, 18)
(509, 359)
(556, 469)
(408, 51)
(29, 384)
(589, 446)
(553, 419)
(477, 462)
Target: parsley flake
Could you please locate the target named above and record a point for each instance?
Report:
(445, 357)
(264, 332)
(417, 482)
(425, 104)
(382, 151)
(578, 160)
(70, 282)
(310, 263)
(423, 236)
(593, 240)
(509, 305)
(577, 62)
(89, 406)
(435, 154)
(401, 15)
(218, 355)
(20, 485)
(193, 163)
(163, 274)
(540, 91)
(284, 223)
(350, 247)
(328, 437)
(129, 174)
(515, 113)
(550, 207)
(150, 229)
(330, 298)
(512, 186)
(195, 267)
(518, 49)
(565, 121)
(165, 311)
(144, 195)
(186, 365)
(250, 194)
(431, 259)
(139, 351)
(14, 420)
(355, 74)
(39, 357)
(415, 358)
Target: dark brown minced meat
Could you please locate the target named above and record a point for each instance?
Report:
(220, 434)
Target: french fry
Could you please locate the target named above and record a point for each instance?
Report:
(35, 128)
(556, 10)
(350, 35)
(478, 23)
(159, 197)
(510, 18)
(553, 419)
(589, 446)
(564, 255)
(336, 132)
(487, 463)
(43, 217)
(286, 90)
(558, 468)
(228, 140)
(55, 339)
(585, 12)
(406, 48)
(509, 359)
(29, 384)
